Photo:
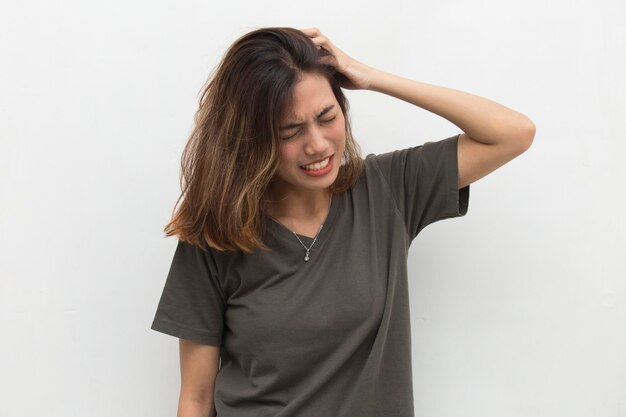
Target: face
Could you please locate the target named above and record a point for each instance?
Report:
(312, 138)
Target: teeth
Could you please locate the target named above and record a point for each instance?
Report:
(318, 165)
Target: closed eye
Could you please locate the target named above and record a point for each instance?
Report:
(292, 136)
(325, 121)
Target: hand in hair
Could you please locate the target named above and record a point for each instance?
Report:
(356, 75)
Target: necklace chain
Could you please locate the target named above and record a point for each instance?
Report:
(308, 250)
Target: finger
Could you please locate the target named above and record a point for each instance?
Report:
(328, 60)
(311, 31)
(314, 33)
(316, 41)
(322, 42)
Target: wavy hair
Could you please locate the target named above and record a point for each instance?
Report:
(232, 153)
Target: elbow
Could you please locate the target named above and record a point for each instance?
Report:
(531, 130)
(526, 134)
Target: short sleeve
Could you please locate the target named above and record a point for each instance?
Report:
(423, 181)
(192, 303)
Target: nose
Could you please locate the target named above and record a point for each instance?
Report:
(315, 144)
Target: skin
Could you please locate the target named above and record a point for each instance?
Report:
(199, 365)
(492, 135)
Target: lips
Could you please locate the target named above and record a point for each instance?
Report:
(319, 169)
(317, 165)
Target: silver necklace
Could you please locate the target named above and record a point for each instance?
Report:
(308, 250)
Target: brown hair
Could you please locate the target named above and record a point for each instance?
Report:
(232, 152)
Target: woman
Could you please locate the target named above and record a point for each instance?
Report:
(291, 261)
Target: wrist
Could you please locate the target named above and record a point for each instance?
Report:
(376, 79)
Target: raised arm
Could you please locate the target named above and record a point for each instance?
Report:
(492, 133)
(198, 368)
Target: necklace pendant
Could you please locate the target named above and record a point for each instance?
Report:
(306, 258)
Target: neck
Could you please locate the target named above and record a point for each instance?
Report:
(312, 205)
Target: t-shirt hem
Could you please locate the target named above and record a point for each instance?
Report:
(182, 332)
(457, 200)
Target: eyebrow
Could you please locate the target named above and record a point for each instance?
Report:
(323, 112)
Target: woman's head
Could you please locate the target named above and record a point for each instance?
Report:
(258, 76)
(233, 153)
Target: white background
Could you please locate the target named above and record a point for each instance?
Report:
(518, 308)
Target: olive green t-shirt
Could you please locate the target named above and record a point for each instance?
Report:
(327, 337)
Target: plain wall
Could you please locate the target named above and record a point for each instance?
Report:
(517, 308)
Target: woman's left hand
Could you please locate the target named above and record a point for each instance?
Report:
(357, 75)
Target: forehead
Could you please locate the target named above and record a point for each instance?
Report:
(311, 94)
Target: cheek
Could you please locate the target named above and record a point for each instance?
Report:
(340, 133)
(340, 128)
(287, 156)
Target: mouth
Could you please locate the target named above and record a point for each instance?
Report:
(317, 165)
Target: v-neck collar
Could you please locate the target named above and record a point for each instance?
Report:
(286, 235)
